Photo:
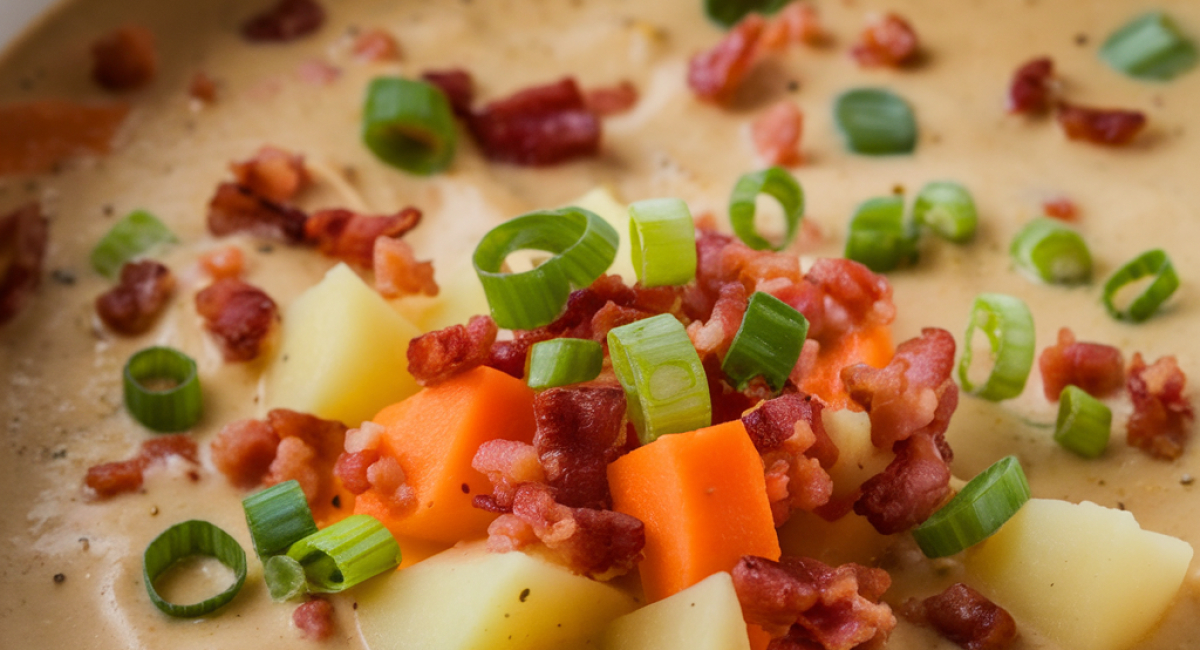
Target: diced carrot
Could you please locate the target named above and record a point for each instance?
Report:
(759, 638)
(872, 346)
(413, 551)
(434, 436)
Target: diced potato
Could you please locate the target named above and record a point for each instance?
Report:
(1083, 575)
(602, 201)
(344, 352)
(858, 459)
(705, 616)
(467, 598)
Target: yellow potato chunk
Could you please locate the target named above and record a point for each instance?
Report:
(344, 352)
(467, 598)
(858, 459)
(1083, 575)
(705, 616)
(602, 201)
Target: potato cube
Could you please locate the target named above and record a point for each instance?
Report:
(705, 616)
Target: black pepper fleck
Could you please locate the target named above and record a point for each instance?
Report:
(337, 501)
(355, 605)
(108, 210)
(266, 248)
(524, 594)
(466, 488)
(1081, 39)
(59, 578)
(63, 277)
(1120, 505)
(793, 86)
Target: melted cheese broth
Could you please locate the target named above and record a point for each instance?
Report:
(61, 397)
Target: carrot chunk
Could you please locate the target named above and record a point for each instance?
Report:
(871, 345)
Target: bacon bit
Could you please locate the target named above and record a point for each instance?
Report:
(715, 336)
(224, 262)
(776, 420)
(36, 136)
(295, 461)
(1113, 127)
(236, 209)
(966, 617)
(508, 464)
(1031, 87)
(244, 450)
(854, 297)
(274, 174)
(239, 315)
(351, 469)
(910, 488)
(161, 447)
(612, 100)
(612, 316)
(351, 236)
(132, 306)
(715, 75)
(437, 356)
(795, 23)
(538, 126)
(776, 134)
(887, 41)
(1098, 369)
(315, 619)
(397, 271)
(390, 483)
(125, 59)
(786, 431)
(286, 21)
(23, 236)
(458, 86)
(202, 88)
(118, 477)
(1061, 208)
(317, 72)
(1162, 415)
(580, 430)
(508, 357)
(375, 46)
(813, 604)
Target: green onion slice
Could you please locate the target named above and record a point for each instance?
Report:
(948, 209)
(285, 578)
(1008, 325)
(162, 389)
(133, 235)
(665, 386)
(875, 122)
(728, 12)
(584, 244)
(278, 517)
(767, 343)
(1051, 251)
(346, 553)
(409, 124)
(185, 539)
(662, 236)
(984, 504)
(561, 362)
(780, 185)
(878, 236)
(1151, 263)
(1150, 46)
(1084, 423)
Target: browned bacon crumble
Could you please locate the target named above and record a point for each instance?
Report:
(887, 41)
(439, 355)
(777, 132)
(795, 456)
(235, 209)
(239, 315)
(795, 23)
(23, 236)
(223, 262)
(274, 174)
(314, 618)
(125, 59)
(397, 271)
(376, 45)
(133, 305)
(967, 618)
(1098, 369)
(1100, 126)
(1061, 208)
(457, 85)
(508, 464)
(118, 477)
(612, 100)
(1031, 88)
(1161, 422)
(202, 88)
(580, 430)
(286, 21)
(716, 74)
(351, 236)
(538, 126)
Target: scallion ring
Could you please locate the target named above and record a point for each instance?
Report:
(162, 389)
(346, 553)
(409, 124)
(1150, 46)
(727, 13)
(780, 185)
(767, 343)
(662, 239)
(185, 539)
(878, 237)
(1151, 263)
(1051, 251)
(1084, 423)
(561, 362)
(278, 517)
(1008, 325)
(979, 510)
(875, 122)
(133, 235)
(946, 208)
(285, 578)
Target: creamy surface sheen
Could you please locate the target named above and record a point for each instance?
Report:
(61, 397)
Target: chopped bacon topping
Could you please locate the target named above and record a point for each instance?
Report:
(133, 305)
(1031, 86)
(910, 488)
(286, 21)
(202, 88)
(1100, 126)
(776, 420)
(508, 464)
(37, 136)
(716, 74)
(580, 430)
(795, 23)
(538, 126)
(239, 315)
(813, 604)
(23, 236)
(236, 209)
(243, 451)
(274, 174)
(612, 100)
(1162, 415)
(1061, 208)
(458, 86)
(854, 297)
(314, 618)
(887, 41)
(376, 45)
(110, 479)
(351, 236)
(1098, 369)
(125, 59)
(317, 72)
(397, 271)
(223, 262)
(967, 618)
(437, 356)
(776, 134)
(791, 437)
(714, 337)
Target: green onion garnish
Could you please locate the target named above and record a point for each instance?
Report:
(984, 504)
(875, 122)
(1150, 46)
(285, 578)
(948, 209)
(662, 238)
(767, 343)
(278, 517)
(133, 235)
(727, 13)
(561, 362)
(1154, 262)
(777, 183)
(185, 539)
(665, 386)
(409, 124)
(1051, 251)
(162, 389)
(878, 236)
(1009, 328)
(584, 245)
(1084, 423)
(346, 553)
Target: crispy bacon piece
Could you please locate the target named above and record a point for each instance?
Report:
(538, 126)
(118, 477)
(967, 618)
(397, 271)
(163, 446)
(314, 618)
(351, 236)
(437, 356)
(125, 59)
(317, 72)
(795, 23)
(1061, 208)
(715, 75)
(508, 464)
(612, 100)
(239, 315)
(376, 45)
(37, 136)
(1113, 127)
(776, 420)
(807, 601)
(202, 88)
(776, 134)
(223, 262)
(795, 448)
(1097, 369)
(1162, 415)
(910, 488)
(714, 337)
(1031, 87)
(458, 86)
(580, 430)
(286, 21)
(273, 174)
(133, 305)
(243, 451)
(23, 236)
(854, 296)
(236, 209)
(887, 41)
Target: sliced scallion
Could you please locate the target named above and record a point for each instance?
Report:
(875, 122)
(878, 236)
(946, 208)
(1150, 46)
(1084, 423)
(662, 238)
(185, 539)
(1151, 263)
(780, 185)
(1051, 251)
(561, 362)
(346, 553)
(1008, 325)
(133, 235)
(285, 578)
(665, 386)
(162, 389)
(278, 517)
(767, 343)
(979, 510)
(728, 12)
(409, 124)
